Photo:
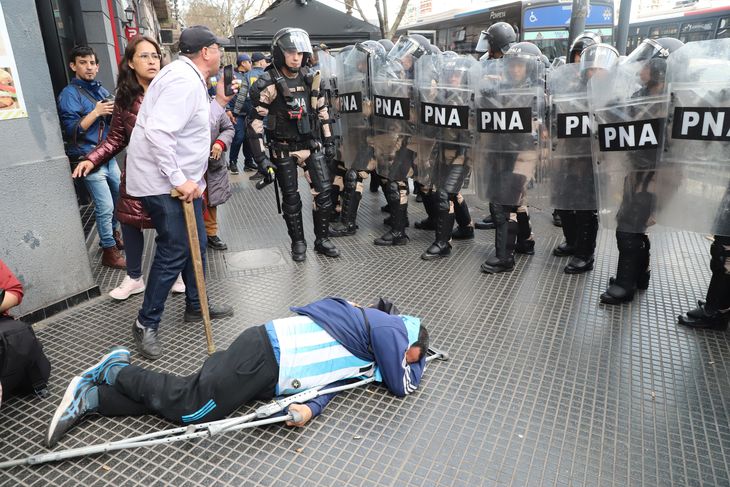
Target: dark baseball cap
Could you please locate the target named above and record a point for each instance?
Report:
(194, 38)
(257, 56)
(243, 57)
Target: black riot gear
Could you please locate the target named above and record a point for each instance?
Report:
(498, 37)
(288, 39)
(586, 39)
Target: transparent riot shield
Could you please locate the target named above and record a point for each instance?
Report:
(355, 108)
(569, 167)
(510, 106)
(328, 87)
(628, 110)
(394, 117)
(445, 116)
(694, 169)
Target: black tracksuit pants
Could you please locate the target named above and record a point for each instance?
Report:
(247, 370)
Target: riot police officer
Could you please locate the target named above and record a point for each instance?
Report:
(638, 204)
(297, 129)
(512, 88)
(493, 43)
(584, 40)
(573, 185)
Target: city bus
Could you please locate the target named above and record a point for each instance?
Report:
(543, 22)
(687, 26)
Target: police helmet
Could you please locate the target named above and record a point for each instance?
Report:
(371, 48)
(455, 70)
(387, 44)
(434, 50)
(449, 54)
(654, 49)
(498, 37)
(290, 39)
(414, 44)
(545, 61)
(584, 40)
(525, 53)
(598, 56)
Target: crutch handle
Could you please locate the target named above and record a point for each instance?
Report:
(296, 416)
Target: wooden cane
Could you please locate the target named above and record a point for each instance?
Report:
(194, 243)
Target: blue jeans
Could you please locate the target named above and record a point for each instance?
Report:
(172, 256)
(239, 141)
(103, 186)
(133, 249)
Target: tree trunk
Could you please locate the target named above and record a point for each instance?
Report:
(398, 18)
(383, 27)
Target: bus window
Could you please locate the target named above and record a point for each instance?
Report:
(667, 30)
(697, 31)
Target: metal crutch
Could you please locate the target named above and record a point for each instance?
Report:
(205, 430)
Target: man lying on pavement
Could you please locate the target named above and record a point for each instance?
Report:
(327, 342)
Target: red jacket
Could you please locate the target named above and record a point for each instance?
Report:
(129, 209)
(10, 283)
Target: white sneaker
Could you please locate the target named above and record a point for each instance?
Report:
(128, 287)
(179, 286)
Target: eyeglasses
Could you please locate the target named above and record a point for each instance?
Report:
(213, 46)
(146, 56)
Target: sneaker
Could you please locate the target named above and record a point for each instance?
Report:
(233, 167)
(98, 373)
(73, 407)
(215, 311)
(179, 286)
(257, 176)
(147, 341)
(128, 287)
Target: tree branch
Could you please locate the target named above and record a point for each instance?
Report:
(398, 18)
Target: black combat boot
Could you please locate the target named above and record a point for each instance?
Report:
(429, 203)
(441, 246)
(525, 239)
(505, 239)
(486, 223)
(586, 222)
(566, 248)
(348, 214)
(465, 228)
(296, 233)
(322, 244)
(714, 313)
(631, 256)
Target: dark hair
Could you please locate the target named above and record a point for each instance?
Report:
(128, 88)
(82, 51)
(422, 341)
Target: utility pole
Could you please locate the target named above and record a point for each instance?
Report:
(622, 31)
(577, 21)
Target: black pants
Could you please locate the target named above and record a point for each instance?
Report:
(247, 370)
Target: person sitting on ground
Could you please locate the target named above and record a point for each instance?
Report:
(24, 367)
(327, 342)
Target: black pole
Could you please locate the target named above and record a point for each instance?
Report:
(577, 21)
(622, 31)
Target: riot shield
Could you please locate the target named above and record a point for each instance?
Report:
(394, 116)
(694, 172)
(445, 116)
(355, 108)
(510, 106)
(569, 167)
(328, 87)
(628, 110)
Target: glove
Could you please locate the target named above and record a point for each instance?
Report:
(267, 168)
(329, 148)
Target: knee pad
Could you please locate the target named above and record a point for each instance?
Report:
(286, 174)
(351, 178)
(319, 173)
(291, 203)
(500, 213)
(455, 178)
(392, 193)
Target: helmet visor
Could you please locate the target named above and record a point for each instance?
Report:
(598, 56)
(483, 43)
(645, 51)
(403, 47)
(295, 41)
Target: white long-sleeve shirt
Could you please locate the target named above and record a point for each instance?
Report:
(170, 142)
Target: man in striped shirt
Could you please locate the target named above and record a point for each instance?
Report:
(327, 342)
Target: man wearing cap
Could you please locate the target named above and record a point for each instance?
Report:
(236, 111)
(168, 150)
(327, 342)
